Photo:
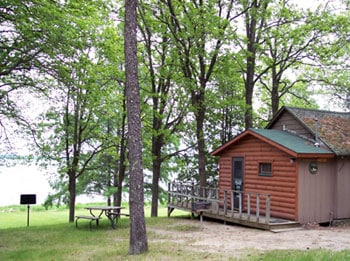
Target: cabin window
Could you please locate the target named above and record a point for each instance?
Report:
(265, 169)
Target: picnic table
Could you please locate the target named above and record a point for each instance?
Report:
(111, 212)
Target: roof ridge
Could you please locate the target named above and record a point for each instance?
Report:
(317, 110)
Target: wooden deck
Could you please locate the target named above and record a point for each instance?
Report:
(207, 203)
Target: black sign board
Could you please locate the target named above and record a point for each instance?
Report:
(28, 199)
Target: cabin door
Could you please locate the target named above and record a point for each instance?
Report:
(237, 178)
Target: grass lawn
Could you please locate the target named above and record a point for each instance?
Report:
(51, 237)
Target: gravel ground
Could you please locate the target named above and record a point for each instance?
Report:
(214, 237)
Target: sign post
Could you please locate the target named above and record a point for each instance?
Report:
(28, 199)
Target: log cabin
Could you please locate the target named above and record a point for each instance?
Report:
(301, 160)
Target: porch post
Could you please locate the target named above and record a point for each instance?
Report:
(257, 207)
(240, 204)
(232, 202)
(225, 202)
(248, 206)
(268, 200)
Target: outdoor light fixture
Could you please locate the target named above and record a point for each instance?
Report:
(313, 167)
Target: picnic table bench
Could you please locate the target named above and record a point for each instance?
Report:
(91, 218)
(112, 213)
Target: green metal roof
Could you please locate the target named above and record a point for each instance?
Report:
(290, 141)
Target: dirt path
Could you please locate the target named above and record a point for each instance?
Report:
(219, 238)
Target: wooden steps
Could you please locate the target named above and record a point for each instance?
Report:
(285, 226)
(286, 229)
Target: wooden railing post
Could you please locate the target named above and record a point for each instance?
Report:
(240, 204)
(176, 195)
(232, 202)
(257, 207)
(225, 202)
(248, 206)
(268, 201)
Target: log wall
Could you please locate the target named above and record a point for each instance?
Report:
(282, 185)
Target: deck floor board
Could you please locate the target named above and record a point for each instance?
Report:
(274, 224)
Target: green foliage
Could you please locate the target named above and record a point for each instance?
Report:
(27, 41)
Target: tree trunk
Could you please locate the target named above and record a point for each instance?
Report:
(252, 41)
(248, 116)
(72, 196)
(275, 101)
(116, 195)
(117, 200)
(201, 145)
(157, 144)
(138, 238)
(249, 81)
(120, 169)
(155, 180)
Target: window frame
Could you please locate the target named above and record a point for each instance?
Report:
(265, 173)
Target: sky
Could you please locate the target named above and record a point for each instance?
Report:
(28, 179)
(19, 180)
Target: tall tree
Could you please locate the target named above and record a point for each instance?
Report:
(199, 30)
(288, 38)
(281, 52)
(167, 99)
(138, 238)
(330, 67)
(74, 121)
(299, 49)
(111, 55)
(255, 12)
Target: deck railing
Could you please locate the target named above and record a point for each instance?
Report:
(222, 202)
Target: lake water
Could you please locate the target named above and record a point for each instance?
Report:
(28, 179)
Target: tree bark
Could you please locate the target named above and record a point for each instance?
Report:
(155, 187)
(275, 99)
(157, 144)
(138, 239)
(120, 168)
(255, 23)
(250, 60)
(72, 195)
(200, 117)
